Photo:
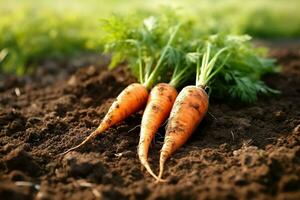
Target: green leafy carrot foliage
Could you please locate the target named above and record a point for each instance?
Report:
(164, 48)
(240, 78)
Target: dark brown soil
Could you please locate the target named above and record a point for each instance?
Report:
(238, 151)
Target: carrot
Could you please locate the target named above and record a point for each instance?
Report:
(130, 100)
(160, 102)
(189, 109)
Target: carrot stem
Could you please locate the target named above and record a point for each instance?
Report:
(206, 72)
(155, 72)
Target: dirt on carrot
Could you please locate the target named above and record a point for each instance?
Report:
(237, 152)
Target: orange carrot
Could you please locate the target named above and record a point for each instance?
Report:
(189, 109)
(160, 102)
(130, 100)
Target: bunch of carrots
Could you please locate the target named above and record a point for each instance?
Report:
(166, 55)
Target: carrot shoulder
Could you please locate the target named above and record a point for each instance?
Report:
(158, 108)
(189, 109)
(130, 100)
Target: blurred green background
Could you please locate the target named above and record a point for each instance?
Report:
(32, 31)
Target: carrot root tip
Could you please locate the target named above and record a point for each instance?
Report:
(87, 139)
(160, 180)
(161, 168)
(145, 163)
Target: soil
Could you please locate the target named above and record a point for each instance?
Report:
(237, 152)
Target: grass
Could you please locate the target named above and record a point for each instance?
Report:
(31, 31)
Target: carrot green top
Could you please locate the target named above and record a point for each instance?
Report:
(233, 68)
(164, 48)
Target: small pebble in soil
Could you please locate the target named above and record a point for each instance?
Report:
(279, 115)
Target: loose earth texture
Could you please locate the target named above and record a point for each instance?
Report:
(237, 152)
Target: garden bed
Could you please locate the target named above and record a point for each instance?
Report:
(237, 152)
